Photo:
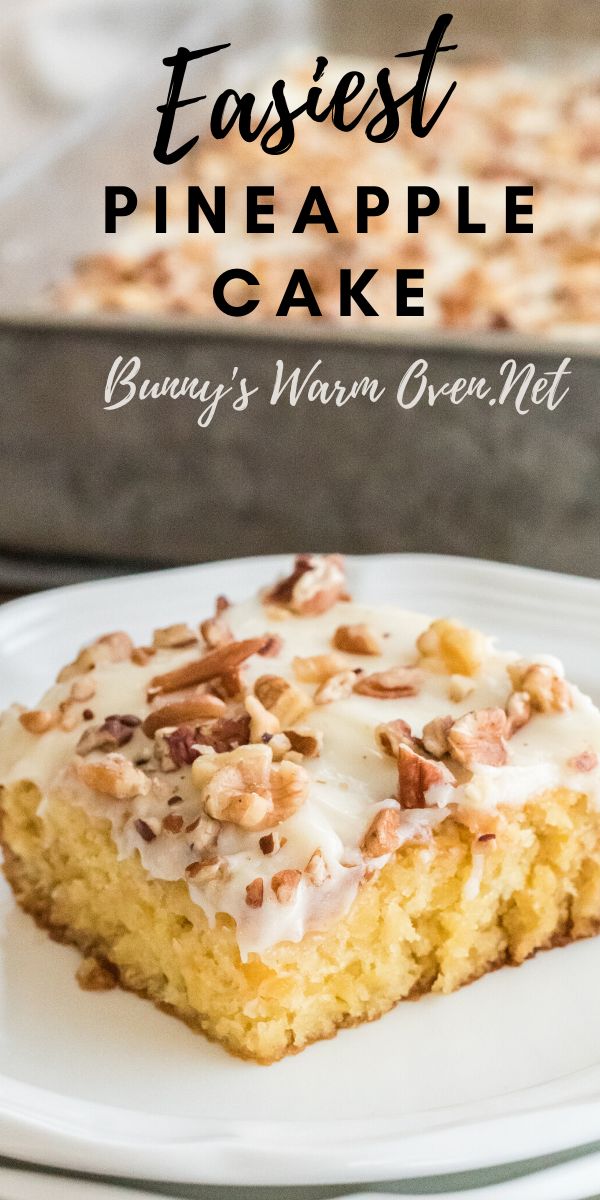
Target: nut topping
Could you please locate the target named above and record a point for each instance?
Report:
(215, 630)
(392, 735)
(478, 737)
(339, 687)
(255, 893)
(218, 662)
(285, 885)
(315, 585)
(518, 712)
(316, 869)
(285, 701)
(547, 690)
(416, 775)
(113, 776)
(246, 788)
(356, 639)
(173, 637)
(38, 720)
(382, 835)
(392, 684)
(263, 723)
(193, 709)
(115, 731)
(317, 668)
(306, 742)
(435, 736)
(587, 761)
(448, 646)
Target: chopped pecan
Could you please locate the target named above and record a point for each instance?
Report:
(317, 583)
(518, 712)
(267, 843)
(173, 637)
(38, 720)
(449, 646)
(285, 885)
(113, 776)
(192, 709)
(317, 668)
(435, 736)
(173, 823)
(203, 835)
(392, 735)
(221, 735)
(287, 702)
(246, 788)
(392, 684)
(215, 630)
(263, 724)
(382, 835)
(338, 687)
(273, 647)
(316, 869)
(307, 742)
(147, 830)
(416, 775)
(586, 761)
(255, 893)
(114, 732)
(207, 869)
(356, 639)
(547, 690)
(479, 737)
(141, 655)
(217, 663)
(113, 647)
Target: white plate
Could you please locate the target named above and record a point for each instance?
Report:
(506, 1069)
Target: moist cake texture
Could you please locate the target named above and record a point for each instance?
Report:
(302, 811)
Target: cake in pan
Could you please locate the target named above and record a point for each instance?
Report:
(305, 810)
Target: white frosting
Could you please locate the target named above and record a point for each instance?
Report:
(350, 781)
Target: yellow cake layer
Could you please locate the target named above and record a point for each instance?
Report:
(410, 929)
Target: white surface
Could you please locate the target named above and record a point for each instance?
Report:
(503, 1070)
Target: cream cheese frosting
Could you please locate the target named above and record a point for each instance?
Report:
(349, 783)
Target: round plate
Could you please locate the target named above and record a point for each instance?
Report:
(506, 1069)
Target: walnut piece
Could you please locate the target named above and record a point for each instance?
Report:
(263, 724)
(173, 637)
(547, 690)
(307, 742)
(286, 701)
(479, 737)
(356, 639)
(393, 684)
(316, 583)
(113, 776)
(448, 646)
(416, 775)
(382, 835)
(339, 687)
(245, 787)
(518, 712)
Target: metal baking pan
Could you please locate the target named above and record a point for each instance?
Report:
(146, 484)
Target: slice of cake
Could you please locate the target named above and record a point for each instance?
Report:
(306, 810)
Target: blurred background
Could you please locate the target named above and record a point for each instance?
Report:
(85, 493)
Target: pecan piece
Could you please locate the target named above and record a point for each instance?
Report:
(339, 687)
(216, 663)
(114, 732)
(287, 702)
(173, 637)
(356, 639)
(215, 630)
(181, 711)
(317, 668)
(382, 835)
(113, 776)
(316, 583)
(392, 735)
(285, 884)
(393, 684)
(416, 775)
(38, 720)
(316, 869)
(435, 736)
(518, 712)
(479, 737)
(586, 761)
(255, 893)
